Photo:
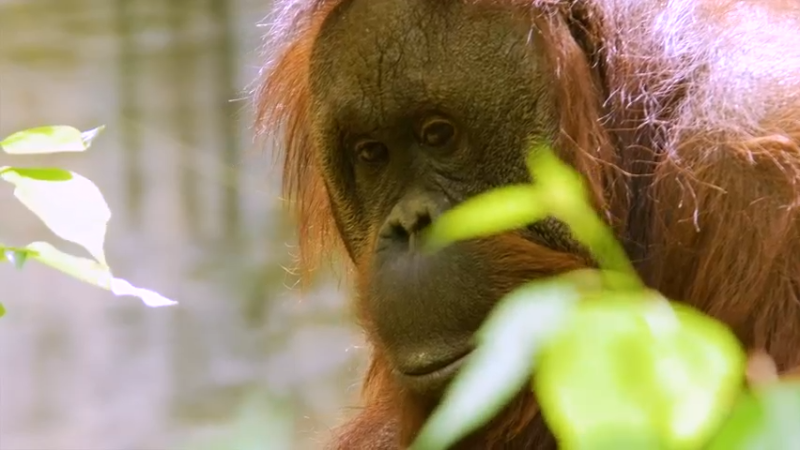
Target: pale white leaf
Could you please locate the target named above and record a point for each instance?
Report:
(49, 139)
(94, 273)
(73, 209)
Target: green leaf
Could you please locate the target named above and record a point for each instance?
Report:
(745, 428)
(16, 256)
(562, 186)
(74, 209)
(626, 366)
(767, 418)
(502, 209)
(565, 197)
(49, 139)
(502, 362)
(40, 173)
(598, 237)
(93, 273)
(19, 257)
(2, 310)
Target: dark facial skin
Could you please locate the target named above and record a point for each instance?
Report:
(417, 106)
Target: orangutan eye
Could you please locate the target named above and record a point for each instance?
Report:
(437, 132)
(372, 152)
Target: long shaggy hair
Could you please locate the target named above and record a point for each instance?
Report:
(684, 118)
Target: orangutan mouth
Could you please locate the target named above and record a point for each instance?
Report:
(432, 377)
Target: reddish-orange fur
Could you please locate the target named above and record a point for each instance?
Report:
(686, 127)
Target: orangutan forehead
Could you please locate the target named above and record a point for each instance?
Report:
(378, 55)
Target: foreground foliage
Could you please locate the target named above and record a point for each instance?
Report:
(616, 364)
(70, 205)
(662, 375)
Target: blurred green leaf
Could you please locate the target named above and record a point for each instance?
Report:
(40, 173)
(493, 212)
(19, 258)
(2, 310)
(494, 373)
(16, 256)
(562, 187)
(49, 139)
(566, 198)
(745, 428)
(767, 418)
(656, 370)
(93, 273)
(73, 209)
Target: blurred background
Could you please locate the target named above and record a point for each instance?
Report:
(245, 361)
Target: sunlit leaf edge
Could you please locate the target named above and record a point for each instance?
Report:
(64, 218)
(49, 139)
(53, 174)
(726, 341)
(94, 273)
(508, 341)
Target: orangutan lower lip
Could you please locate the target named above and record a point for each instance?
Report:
(424, 366)
(433, 378)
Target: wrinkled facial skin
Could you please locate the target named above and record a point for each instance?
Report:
(416, 106)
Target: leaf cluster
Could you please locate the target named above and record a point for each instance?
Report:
(70, 205)
(612, 363)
